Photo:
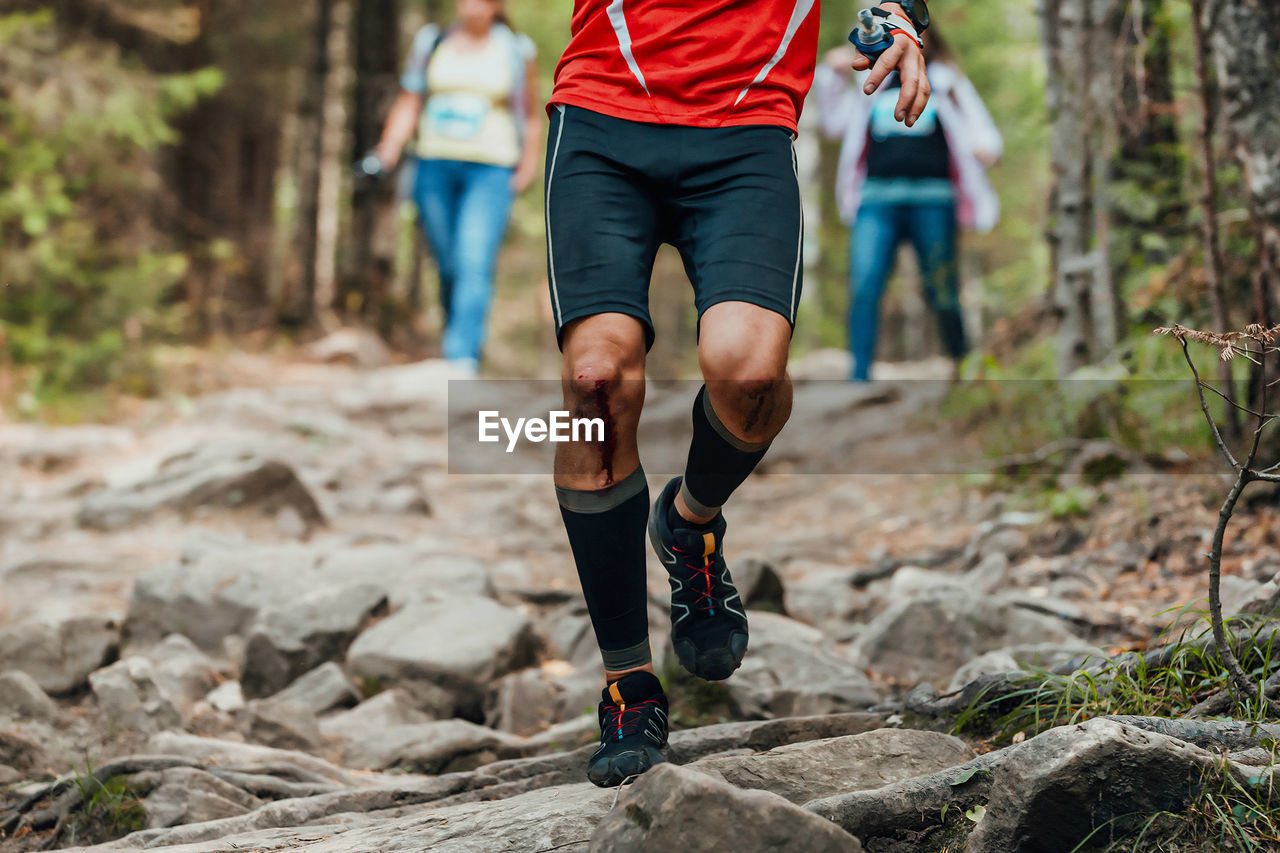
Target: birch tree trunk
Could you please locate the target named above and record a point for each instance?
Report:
(1246, 47)
(1080, 38)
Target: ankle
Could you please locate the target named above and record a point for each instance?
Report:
(611, 676)
(681, 512)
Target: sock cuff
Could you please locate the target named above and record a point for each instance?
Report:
(696, 506)
(602, 500)
(629, 658)
(723, 431)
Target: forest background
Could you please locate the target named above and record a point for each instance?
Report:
(175, 182)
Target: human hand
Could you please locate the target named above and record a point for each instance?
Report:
(524, 176)
(908, 60)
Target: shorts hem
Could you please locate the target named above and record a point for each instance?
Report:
(569, 316)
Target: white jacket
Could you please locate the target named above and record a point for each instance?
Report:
(845, 112)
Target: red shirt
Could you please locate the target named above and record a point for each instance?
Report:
(709, 63)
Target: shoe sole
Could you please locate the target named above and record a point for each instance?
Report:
(613, 770)
(708, 664)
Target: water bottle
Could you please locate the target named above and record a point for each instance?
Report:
(872, 37)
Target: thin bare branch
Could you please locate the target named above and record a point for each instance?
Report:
(1204, 404)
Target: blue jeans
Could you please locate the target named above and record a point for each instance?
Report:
(876, 235)
(464, 209)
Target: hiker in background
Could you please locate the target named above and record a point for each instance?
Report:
(920, 184)
(469, 92)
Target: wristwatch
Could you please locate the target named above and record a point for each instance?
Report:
(917, 11)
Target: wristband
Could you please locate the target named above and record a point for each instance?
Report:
(898, 24)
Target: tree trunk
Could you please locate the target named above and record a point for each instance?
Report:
(299, 298)
(369, 273)
(1080, 38)
(1246, 42)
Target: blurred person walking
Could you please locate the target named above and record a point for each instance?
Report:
(920, 183)
(469, 93)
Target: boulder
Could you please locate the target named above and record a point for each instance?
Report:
(322, 689)
(131, 698)
(60, 655)
(789, 671)
(801, 772)
(227, 477)
(407, 573)
(460, 643)
(929, 637)
(527, 701)
(353, 346)
(29, 753)
(1036, 656)
(822, 596)
(282, 725)
(21, 696)
(188, 795)
(673, 808)
(186, 673)
(226, 697)
(216, 592)
(288, 640)
(1054, 790)
(389, 708)
(439, 746)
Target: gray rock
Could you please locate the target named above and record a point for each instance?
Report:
(289, 640)
(554, 818)
(60, 655)
(188, 795)
(439, 746)
(822, 596)
(202, 477)
(218, 593)
(30, 753)
(186, 673)
(130, 697)
(408, 574)
(790, 672)
(21, 696)
(213, 751)
(226, 697)
(672, 808)
(1035, 656)
(322, 689)
(356, 347)
(801, 772)
(460, 644)
(1054, 790)
(991, 574)
(282, 725)
(759, 584)
(929, 637)
(395, 707)
(525, 702)
(8, 775)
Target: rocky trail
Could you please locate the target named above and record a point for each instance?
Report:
(276, 620)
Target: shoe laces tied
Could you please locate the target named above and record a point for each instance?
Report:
(625, 719)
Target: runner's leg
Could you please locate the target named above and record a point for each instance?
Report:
(436, 192)
(483, 207)
(935, 236)
(873, 243)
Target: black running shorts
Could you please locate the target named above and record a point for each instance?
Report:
(727, 198)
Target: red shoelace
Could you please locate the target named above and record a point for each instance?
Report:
(706, 601)
(618, 716)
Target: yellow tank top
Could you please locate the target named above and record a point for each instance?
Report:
(468, 115)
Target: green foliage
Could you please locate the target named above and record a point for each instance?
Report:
(1228, 815)
(1125, 685)
(86, 283)
(107, 811)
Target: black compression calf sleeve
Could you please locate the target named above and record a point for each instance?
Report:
(718, 461)
(606, 532)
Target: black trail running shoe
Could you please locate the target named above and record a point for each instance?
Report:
(633, 728)
(708, 621)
